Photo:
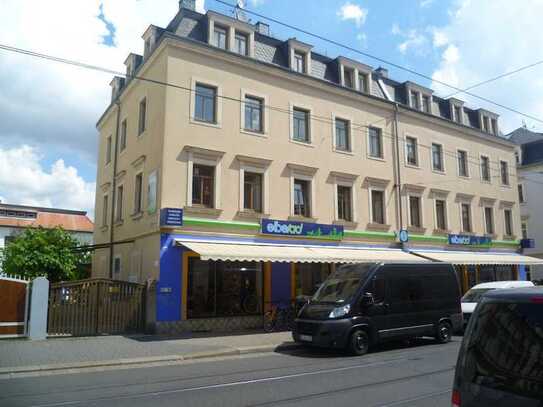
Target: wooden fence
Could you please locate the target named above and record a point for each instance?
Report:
(96, 306)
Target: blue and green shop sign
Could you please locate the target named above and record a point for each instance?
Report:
(301, 229)
(469, 240)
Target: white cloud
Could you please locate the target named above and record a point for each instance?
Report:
(256, 3)
(23, 180)
(482, 48)
(363, 38)
(413, 39)
(425, 3)
(351, 11)
(439, 38)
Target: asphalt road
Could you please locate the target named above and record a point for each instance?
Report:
(397, 374)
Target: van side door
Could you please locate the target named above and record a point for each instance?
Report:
(398, 318)
(378, 312)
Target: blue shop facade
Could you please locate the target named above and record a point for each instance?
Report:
(223, 276)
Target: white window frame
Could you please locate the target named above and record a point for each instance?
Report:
(510, 209)
(265, 113)
(523, 193)
(310, 128)
(348, 119)
(468, 176)
(446, 207)
(296, 47)
(418, 195)
(407, 164)
(218, 103)
(508, 185)
(120, 258)
(462, 228)
(262, 169)
(370, 205)
(489, 181)
(140, 172)
(304, 176)
(368, 144)
(345, 180)
(444, 170)
(485, 206)
(211, 160)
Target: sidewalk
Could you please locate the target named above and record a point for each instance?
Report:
(24, 356)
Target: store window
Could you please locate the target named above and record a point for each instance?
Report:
(203, 185)
(223, 288)
(309, 277)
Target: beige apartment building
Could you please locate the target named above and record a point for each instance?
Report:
(237, 169)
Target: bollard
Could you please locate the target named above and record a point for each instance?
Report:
(39, 302)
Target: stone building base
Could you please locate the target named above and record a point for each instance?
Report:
(226, 324)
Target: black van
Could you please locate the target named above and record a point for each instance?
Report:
(500, 362)
(361, 304)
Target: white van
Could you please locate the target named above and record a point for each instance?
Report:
(474, 295)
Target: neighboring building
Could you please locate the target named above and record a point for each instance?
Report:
(15, 218)
(529, 156)
(255, 135)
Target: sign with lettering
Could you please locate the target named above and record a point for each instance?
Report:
(171, 217)
(468, 240)
(527, 243)
(301, 229)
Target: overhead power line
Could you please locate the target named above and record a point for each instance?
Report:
(384, 61)
(322, 119)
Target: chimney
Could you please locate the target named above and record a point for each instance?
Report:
(262, 28)
(188, 4)
(382, 72)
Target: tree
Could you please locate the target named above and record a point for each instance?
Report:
(44, 252)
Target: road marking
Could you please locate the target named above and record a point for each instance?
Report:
(422, 397)
(225, 385)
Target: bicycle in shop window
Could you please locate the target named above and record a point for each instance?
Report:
(280, 315)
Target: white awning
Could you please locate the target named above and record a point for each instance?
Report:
(295, 254)
(489, 258)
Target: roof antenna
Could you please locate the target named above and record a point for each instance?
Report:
(239, 13)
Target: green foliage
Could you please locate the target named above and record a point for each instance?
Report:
(44, 252)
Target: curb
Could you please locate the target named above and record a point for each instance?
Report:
(11, 372)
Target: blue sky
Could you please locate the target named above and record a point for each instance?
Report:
(48, 112)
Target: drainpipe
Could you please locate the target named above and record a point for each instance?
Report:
(114, 189)
(398, 173)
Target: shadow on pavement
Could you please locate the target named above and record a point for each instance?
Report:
(192, 335)
(308, 351)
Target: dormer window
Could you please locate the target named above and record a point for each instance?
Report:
(240, 43)
(494, 126)
(426, 104)
(299, 62)
(147, 47)
(349, 82)
(414, 100)
(486, 126)
(457, 111)
(220, 35)
(364, 83)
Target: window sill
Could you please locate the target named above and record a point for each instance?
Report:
(251, 215)
(416, 229)
(137, 215)
(378, 226)
(300, 218)
(493, 236)
(141, 135)
(302, 143)
(508, 186)
(370, 157)
(413, 166)
(254, 133)
(509, 237)
(103, 228)
(464, 177)
(345, 223)
(203, 211)
(119, 222)
(207, 124)
(346, 152)
(441, 232)
(486, 182)
(439, 172)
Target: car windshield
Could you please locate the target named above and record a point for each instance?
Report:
(342, 285)
(475, 294)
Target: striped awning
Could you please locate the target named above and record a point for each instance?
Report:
(488, 258)
(295, 254)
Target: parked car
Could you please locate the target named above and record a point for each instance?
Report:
(362, 304)
(500, 362)
(474, 295)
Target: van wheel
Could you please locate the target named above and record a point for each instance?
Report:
(359, 343)
(444, 332)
